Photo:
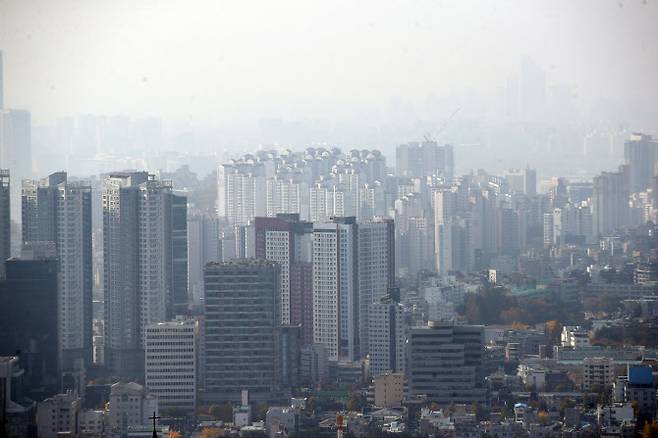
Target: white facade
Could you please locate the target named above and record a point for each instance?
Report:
(58, 414)
(130, 405)
(92, 423)
(335, 316)
(387, 338)
(376, 267)
(171, 363)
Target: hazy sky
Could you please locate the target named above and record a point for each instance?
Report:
(218, 61)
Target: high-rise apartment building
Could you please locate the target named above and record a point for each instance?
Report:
(203, 247)
(610, 201)
(336, 288)
(444, 363)
(287, 241)
(444, 211)
(171, 363)
(386, 338)
(425, 159)
(640, 155)
(144, 241)
(241, 329)
(58, 211)
(5, 217)
(376, 270)
(15, 150)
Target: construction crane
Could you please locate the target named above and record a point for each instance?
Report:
(431, 137)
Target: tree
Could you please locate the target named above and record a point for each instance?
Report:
(223, 412)
(174, 434)
(210, 432)
(543, 417)
(356, 402)
(650, 430)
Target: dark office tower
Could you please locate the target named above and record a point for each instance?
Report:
(640, 154)
(242, 347)
(287, 241)
(610, 201)
(142, 252)
(181, 300)
(58, 211)
(5, 221)
(15, 150)
(28, 322)
(444, 363)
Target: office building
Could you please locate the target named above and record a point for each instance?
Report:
(130, 405)
(336, 287)
(5, 216)
(28, 323)
(58, 414)
(241, 329)
(144, 246)
(444, 363)
(171, 363)
(387, 338)
(58, 211)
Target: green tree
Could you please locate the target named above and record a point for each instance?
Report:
(356, 402)
(223, 412)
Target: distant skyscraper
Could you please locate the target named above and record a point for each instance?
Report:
(55, 210)
(15, 150)
(241, 329)
(640, 155)
(610, 208)
(2, 86)
(5, 221)
(425, 159)
(203, 247)
(444, 210)
(28, 322)
(336, 287)
(144, 237)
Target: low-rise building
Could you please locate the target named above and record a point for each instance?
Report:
(91, 423)
(57, 414)
(598, 373)
(130, 405)
(574, 336)
(389, 390)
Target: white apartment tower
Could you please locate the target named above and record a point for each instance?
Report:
(335, 288)
(376, 268)
(171, 363)
(141, 264)
(56, 210)
(387, 338)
